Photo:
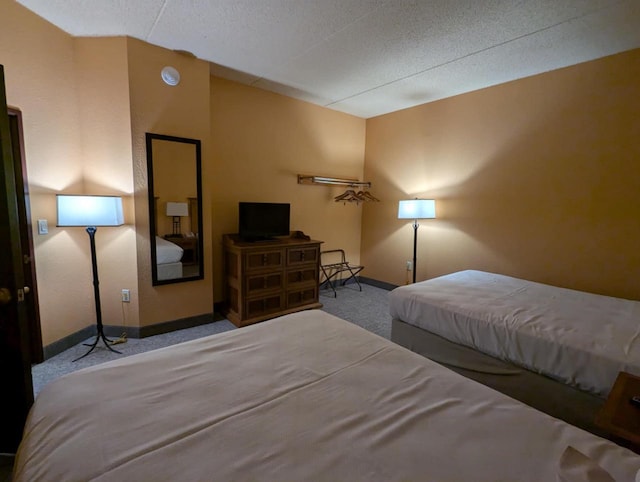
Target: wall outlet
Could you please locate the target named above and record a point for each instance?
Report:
(126, 296)
(43, 227)
(409, 265)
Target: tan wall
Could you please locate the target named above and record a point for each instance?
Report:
(537, 178)
(42, 66)
(87, 103)
(261, 141)
(181, 111)
(103, 104)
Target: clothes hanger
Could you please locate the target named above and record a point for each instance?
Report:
(367, 196)
(349, 195)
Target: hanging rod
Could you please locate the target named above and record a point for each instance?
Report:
(332, 181)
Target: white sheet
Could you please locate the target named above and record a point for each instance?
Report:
(303, 397)
(580, 338)
(167, 252)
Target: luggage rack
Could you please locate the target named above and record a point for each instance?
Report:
(331, 270)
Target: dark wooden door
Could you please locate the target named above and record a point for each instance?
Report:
(26, 239)
(15, 363)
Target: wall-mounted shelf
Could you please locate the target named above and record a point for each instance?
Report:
(334, 181)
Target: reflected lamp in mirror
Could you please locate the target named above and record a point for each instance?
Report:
(90, 212)
(176, 210)
(416, 209)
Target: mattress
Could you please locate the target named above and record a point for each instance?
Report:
(551, 396)
(167, 252)
(306, 396)
(170, 270)
(579, 338)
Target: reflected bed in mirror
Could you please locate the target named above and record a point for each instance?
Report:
(175, 208)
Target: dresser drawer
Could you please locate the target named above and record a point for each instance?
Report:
(267, 259)
(302, 254)
(303, 275)
(302, 296)
(257, 283)
(264, 305)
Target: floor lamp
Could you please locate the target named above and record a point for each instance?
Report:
(416, 209)
(91, 212)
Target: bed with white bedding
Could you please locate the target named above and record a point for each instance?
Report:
(306, 396)
(168, 259)
(580, 339)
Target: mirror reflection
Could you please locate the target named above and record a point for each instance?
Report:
(175, 210)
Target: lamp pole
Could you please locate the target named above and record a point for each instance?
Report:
(91, 230)
(415, 247)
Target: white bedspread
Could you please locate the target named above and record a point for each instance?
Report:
(580, 338)
(167, 252)
(303, 397)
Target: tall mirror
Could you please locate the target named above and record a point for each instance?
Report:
(175, 208)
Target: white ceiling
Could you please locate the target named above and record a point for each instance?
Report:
(365, 57)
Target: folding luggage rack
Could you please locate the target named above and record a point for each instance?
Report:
(336, 265)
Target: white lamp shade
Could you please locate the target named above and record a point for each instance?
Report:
(89, 210)
(177, 209)
(417, 209)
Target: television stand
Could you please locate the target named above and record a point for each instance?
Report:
(269, 278)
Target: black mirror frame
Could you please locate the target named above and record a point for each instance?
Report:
(152, 214)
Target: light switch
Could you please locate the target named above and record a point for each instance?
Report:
(43, 227)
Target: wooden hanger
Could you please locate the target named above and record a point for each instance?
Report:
(366, 196)
(348, 196)
(355, 197)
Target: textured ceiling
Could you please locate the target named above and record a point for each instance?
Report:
(365, 57)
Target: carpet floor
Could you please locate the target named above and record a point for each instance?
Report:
(368, 308)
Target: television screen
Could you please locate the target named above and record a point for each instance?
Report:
(259, 221)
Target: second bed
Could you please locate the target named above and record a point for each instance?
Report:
(557, 349)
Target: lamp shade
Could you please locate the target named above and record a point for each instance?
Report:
(417, 209)
(177, 209)
(76, 210)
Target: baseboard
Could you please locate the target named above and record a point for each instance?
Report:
(67, 342)
(378, 284)
(132, 331)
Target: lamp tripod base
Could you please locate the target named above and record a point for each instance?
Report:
(99, 336)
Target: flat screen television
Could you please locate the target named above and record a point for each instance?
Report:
(262, 221)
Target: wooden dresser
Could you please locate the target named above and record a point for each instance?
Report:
(265, 279)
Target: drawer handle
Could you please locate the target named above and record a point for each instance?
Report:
(302, 256)
(264, 259)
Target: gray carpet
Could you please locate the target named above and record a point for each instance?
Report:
(368, 309)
